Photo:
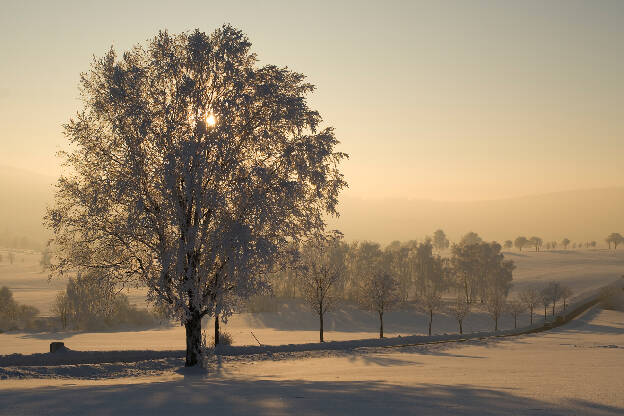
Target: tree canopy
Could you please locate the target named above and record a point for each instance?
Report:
(191, 168)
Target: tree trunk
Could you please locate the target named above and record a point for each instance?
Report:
(193, 339)
(553, 310)
(321, 325)
(380, 324)
(496, 324)
(515, 321)
(531, 316)
(545, 306)
(461, 330)
(430, 319)
(216, 333)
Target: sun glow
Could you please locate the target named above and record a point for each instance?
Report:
(211, 121)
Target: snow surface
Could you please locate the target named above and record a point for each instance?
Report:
(575, 369)
(572, 370)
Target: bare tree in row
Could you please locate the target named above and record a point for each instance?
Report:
(531, 297)
(460, 309)
(321, 268)
(380, 291)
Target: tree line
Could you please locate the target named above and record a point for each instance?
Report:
(537, 243)
(328, 271)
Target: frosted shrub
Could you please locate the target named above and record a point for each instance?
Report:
(225, 338)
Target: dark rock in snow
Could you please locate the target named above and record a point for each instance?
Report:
(58, 347)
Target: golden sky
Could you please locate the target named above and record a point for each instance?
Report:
(445, 100)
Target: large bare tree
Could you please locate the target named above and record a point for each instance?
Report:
(190, 168)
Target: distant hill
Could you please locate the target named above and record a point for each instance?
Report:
(582, 215)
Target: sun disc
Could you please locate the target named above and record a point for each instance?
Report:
(211, 120)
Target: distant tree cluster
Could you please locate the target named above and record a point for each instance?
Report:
(14, 316)
(86, 304)
(614, 239)
(538, 244)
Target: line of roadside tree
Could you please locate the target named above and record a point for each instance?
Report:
(474, 276)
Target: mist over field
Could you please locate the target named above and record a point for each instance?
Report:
(580, 215)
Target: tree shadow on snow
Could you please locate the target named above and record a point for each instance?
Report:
(202, 395)
(58, 335)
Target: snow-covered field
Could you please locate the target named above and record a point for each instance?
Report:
(573, 370)
(583, 270)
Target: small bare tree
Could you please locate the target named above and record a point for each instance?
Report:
(565, 243)
(531, 298)
(379, 294)
(460, 310)
(515, 308)
(545, 301)
(321, 268)
(553, 292)
(495, 301)
(61, 308)
(521, 242)
(566, 293)
(431, 280)
(430, 301)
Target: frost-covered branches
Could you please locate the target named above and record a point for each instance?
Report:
(515, 308)
(321, 267)
(531, 298)
(495, 303)
(460, 310)
(380, 290)
(431, 279)
(553, 293)
(191, 167)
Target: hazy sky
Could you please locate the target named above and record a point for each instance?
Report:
(441, 100)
